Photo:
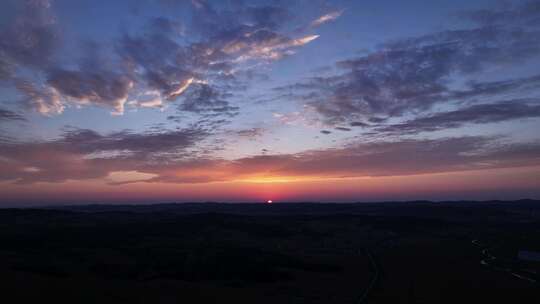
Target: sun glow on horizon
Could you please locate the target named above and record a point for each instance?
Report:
(286, 179)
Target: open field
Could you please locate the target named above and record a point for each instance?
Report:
(417, 252)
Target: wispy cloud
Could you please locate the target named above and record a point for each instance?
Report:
(329, 17)
(45, 99)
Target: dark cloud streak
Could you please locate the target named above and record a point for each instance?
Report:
(476, 114)
(7, 115)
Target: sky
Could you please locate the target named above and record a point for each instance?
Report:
(142, 101)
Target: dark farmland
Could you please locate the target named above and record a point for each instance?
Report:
(414, 252)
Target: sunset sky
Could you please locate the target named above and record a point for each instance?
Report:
(138, 101)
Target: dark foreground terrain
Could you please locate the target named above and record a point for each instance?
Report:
(415, 252)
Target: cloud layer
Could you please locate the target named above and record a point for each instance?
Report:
(415, 74)
(158, 62)
(174, 156)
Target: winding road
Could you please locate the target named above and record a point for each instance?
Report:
(363, 297)
(489, 259)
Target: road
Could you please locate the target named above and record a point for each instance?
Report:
(376, 273)
(489, 260)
